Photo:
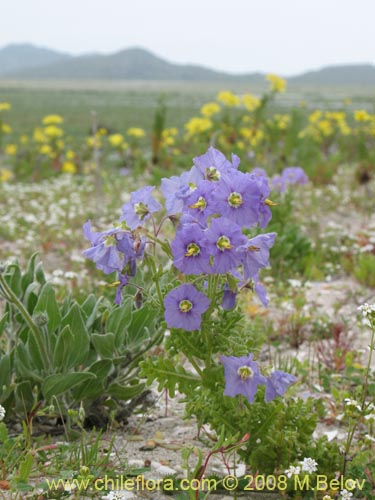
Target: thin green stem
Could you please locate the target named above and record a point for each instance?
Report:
(25, 314)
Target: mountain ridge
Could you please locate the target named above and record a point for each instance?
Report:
(26, 61)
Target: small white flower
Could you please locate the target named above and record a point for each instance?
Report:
(327, 497)
(119, 495)
(367, 309)
(293, 471)
(345, 494)
(370, 438)
(309, 465)
(2, 413)
(352, 402)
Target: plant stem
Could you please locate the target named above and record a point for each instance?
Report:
(26, 316)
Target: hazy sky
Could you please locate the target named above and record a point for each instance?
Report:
(282, 36)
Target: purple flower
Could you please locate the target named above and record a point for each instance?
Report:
(176, 188)
(229, 298)
(242, 376)
(237, 198)
(255, 253)
(200, 203)
(213, 164)
(289, 176)
(140, 207)
(278, 183)
(260, 291)
(123, 280)
(294, 175)
(184, 307)
(223, 239)
(189, 250)
(263, 202)
(259, 171)
(277, 383)
(105, 250)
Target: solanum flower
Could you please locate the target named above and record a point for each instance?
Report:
(223, 239)
(242, 376)
(255, 253)
(140, 207)
(190, 251)
(184, 307)
(213, 164)
(277, 383)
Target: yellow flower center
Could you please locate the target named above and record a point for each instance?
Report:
(110, 240)
(185, 306)
(201, 204)
(235, 200)
(141, 210)
(212, 174)
(245, 372)
(223, 243)
(192, 250)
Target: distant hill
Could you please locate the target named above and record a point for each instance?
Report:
(354, 74)
(16, 57)
(28, 62)
(128, 64)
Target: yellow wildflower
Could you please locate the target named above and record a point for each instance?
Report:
(10, 149)
(228, 98)
(69, 167)
(52, 120)
(315, 116)
(70, 155)
(6, 129)
(277, 84)
(38, 135)
(24, 139)
(45, 149)
(325, 127)
(361, 116)
(136, 132)
(116, 140)
(53, 132)
(102, 131)
(250, 102)
(4, 106)
(197, 125)
(5, 175)
(282, 121)
(209, 109)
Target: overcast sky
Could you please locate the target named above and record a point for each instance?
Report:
(282, 36)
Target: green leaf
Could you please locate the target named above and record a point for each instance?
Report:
(34, 353)
(94, 388)
(25, 468)
(13, 278)
(63, 349)
(24, 396)
(125, 392)
(81, 341)
(47, 303)
(5, 372)
(30, 298)
(28, 276)
(3, 323)
(119, 319)
(57, 384)
(22, 364)
(3, 433)
(101, 368)
(104, 344)
(138, 331)
(39, 274)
